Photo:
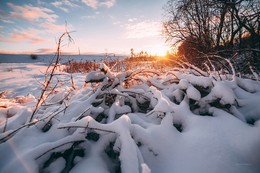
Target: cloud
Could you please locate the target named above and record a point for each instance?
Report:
(62, 8)
(29, 35)
(108, 4)
(25, 36)
(40, 25)
(5, 17)
(52, 28)
(32, 14)
(6, 21)
(41, 17)
(143, 29)
(64, 5)
(97, 3)
(132, 19)
(91, 3)
(34, 36)
(116, 23)
(89, 17)
(44, 50)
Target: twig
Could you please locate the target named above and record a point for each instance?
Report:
(196, 69)
(58, 102)
(80, 115)
(57, 147)
(48, 80)
(87, 127)
(6, 119)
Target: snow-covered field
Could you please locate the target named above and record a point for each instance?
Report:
(135, 121)
(45, 58)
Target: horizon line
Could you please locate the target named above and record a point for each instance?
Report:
(62, 53)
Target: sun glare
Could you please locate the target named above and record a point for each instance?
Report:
(159, 50)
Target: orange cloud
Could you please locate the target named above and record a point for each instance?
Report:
(26, 36)
(29, 35)
(32, 14)
(52, 28)
(43, 18)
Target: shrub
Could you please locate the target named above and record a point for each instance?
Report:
(33, 56)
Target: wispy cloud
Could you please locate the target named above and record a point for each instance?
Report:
(64, 5)
(89, 17)
(91, 3)
(30, 35)
(97, 3)
(116, 23)
(5, 17)
(25, 36)
(94, 16)
(6, 21)
(143, 29)
(32, 13)
(132, 19)
(108, 4)
(44, 50)
(52, 28)
(42, 20)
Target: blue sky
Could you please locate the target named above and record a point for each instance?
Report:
(100, 26)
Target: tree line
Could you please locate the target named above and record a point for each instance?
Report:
(224, 27)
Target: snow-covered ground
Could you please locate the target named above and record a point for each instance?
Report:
(27, 78)
(135, 121)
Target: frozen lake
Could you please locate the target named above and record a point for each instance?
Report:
(26, 58)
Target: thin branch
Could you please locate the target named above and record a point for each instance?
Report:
(87, 127)
(57, 147)
(48, 80)
(9, 135)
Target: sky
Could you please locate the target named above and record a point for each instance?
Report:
(97, 26)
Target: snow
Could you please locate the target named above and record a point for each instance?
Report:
(193, 93)
(142, 121)
(94, 76)
(222, 91)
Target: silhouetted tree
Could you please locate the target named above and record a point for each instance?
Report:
(220, 26)
(132, 52)
(213, 24)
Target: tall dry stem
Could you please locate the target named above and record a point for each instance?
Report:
(48, 77)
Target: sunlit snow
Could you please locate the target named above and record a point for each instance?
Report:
(134, 121)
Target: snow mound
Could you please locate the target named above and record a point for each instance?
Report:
(135, 121)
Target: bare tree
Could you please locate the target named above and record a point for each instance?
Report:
(212, 23)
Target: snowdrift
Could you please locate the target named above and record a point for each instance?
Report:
(137, 121)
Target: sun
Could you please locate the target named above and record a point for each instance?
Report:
(159, 50)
